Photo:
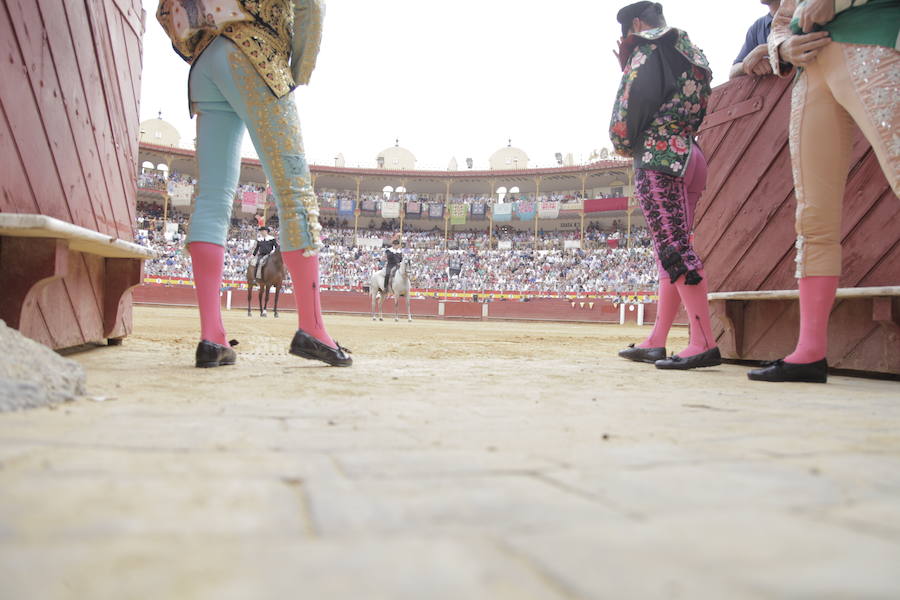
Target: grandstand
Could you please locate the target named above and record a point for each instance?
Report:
(546, 232)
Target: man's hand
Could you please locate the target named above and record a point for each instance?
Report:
(800, 50)
(757, 61)
(816, 12)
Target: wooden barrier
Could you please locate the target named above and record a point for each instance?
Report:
(69, 139)
(745, 235)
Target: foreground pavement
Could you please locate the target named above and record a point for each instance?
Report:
(453, 461)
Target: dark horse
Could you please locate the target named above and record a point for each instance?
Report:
(272, 275)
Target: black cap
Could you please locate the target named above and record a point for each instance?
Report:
(630, 12)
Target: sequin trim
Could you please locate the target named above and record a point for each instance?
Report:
(798, 98)
(875, 74)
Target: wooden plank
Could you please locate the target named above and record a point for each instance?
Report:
(866, 244)
(762, 228)
(28, 133)
(56, 308)
(86, 301)
(885, 271)
(736, 111)
(124, 168)
(75, 104)
(16, 194)
(30, 25)
(741, 213)
(764, 131)
(122, 78)
(79, 238)
(731, 93)
(93, 86)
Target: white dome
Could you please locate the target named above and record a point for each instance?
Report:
(396, 159)
(508, 159)
(159, 133)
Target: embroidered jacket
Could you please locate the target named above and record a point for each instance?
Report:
(281, 38)
(661, 100)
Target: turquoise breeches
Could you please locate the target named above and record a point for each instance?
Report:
(228, 95)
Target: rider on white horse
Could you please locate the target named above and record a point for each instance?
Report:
(394, 256)
(265, 245)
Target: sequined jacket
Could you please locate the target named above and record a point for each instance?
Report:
(281, 38)
(661, 100)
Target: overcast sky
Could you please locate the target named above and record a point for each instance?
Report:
(458, 79)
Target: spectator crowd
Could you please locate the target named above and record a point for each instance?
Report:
(348, 262)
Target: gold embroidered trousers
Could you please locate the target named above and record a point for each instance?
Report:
(228, 95)
(846, 84)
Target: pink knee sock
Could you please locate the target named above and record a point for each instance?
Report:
(666, 310)
(816, 298)
(697, 306)
(208, 261)
(305, 276)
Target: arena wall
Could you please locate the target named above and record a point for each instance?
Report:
(599, 310)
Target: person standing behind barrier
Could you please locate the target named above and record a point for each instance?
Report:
(847, 54)
(753, 58)
(661, 102)
(246, 57)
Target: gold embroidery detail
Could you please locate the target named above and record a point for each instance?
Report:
(276, 128)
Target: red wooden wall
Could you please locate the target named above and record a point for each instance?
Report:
(745, 230)
(71, 73)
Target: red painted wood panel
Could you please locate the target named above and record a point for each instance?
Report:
(20, 106)
(69, 137)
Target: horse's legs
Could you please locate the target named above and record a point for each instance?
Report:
(374, 295)
(249, 299)
(396, 305)
(262, 311)
(381, 307)
(408, 313)
(277, 291)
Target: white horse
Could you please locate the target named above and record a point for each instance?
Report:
(399, 287)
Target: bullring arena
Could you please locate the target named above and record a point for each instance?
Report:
(493, 447)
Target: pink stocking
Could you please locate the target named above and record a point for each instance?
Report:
(816, 298)
(305, 275)
(208, 261)
(697, 306)
(666, 310)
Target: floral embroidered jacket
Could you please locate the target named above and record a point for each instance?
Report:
(280, 37)
(661, 100)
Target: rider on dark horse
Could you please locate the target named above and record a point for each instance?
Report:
(394, 256)
(265, 246)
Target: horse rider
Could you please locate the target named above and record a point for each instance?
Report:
(265, 246)
(454, 266)
(394, 256)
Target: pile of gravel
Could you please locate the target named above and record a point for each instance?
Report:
(32, 375)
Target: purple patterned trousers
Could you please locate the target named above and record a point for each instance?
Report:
(668, 204)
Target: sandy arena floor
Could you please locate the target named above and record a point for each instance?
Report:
(454, 460)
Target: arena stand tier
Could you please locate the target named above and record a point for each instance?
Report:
(550, 270)
(564, 229)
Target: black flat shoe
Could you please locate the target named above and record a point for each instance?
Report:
(306, 346)
(647, 355)
(710, 358)
(210, 354)
(778, 370)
